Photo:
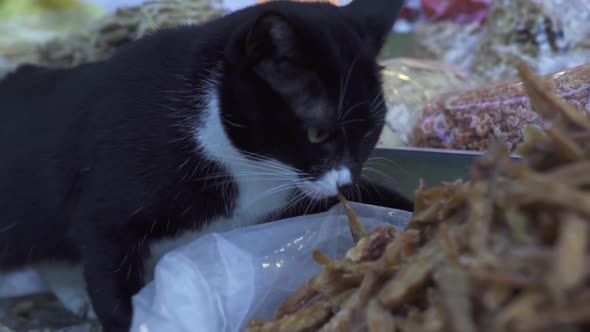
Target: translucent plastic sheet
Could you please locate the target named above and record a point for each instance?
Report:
(408, 85)
(21, 283)
(221, 281)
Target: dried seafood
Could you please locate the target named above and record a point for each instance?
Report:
(127, 24)
(505, 251)
(549, 35)
(474, 119)
(356, 227)
(103, 37)
(408, 85)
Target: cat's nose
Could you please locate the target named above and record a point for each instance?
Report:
(344, 178)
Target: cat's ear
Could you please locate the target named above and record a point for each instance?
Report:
(269, 48)
(374, 19)
(269, 35)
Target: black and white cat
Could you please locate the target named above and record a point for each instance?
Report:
(262, 114)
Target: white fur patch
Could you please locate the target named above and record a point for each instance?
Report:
(327, 185)
(66, 281)
(263, 186)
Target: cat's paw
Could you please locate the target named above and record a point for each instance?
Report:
(68, 285)
(76, 301)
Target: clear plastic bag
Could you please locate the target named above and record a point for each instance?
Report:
(549, 35)
(473, 119)
(22, 282)
(409, 84)
(222, 280)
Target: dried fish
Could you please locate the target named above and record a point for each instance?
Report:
(356, 227)
(506, 251)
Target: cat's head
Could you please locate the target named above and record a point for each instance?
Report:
(302, 86)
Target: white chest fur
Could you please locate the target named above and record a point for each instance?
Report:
(256, 200)
(264, 186)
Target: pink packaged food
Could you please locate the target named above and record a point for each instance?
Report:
(473, 119)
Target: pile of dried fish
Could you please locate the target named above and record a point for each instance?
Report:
(103, 37)
(549, 35)
(410, 84)
(127, 24)
(506, 251)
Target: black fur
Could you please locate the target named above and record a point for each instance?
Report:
(100, 159)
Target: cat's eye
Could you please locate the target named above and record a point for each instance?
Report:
(316, 136)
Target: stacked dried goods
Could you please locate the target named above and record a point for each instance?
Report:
(473, 119)
(549, 35)
(505, 251)
(125, 25)
(410, 84)
(105, 36)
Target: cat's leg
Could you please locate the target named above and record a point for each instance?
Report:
(67, 283)
(113, 270)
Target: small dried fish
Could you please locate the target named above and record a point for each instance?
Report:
(356, 227)
(508, 250)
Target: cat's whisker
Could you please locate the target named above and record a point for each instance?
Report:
(350, 109)
(312, 201)
(351, 121)
(263, 166)
(262, 172)
(383, 160)
(304, 204)
(364, 184)
(184, 163)
(385, 176)
(295, 200)
(251, 172)
(360, 193)
(379, 107)
(262, 158)
(278, 189)
(264, 163)
(379, 95)
(273, 191)
(249, 177)
(233, 124)
(348, 75)
(280, 167)
(340, 98)
(227, 181)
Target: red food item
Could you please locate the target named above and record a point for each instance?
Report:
(409, 13)
(458, 11)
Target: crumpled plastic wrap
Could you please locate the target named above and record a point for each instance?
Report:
(21, 282)
(408, 85)
(222, 280)
(474, 119)
(548, 35)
